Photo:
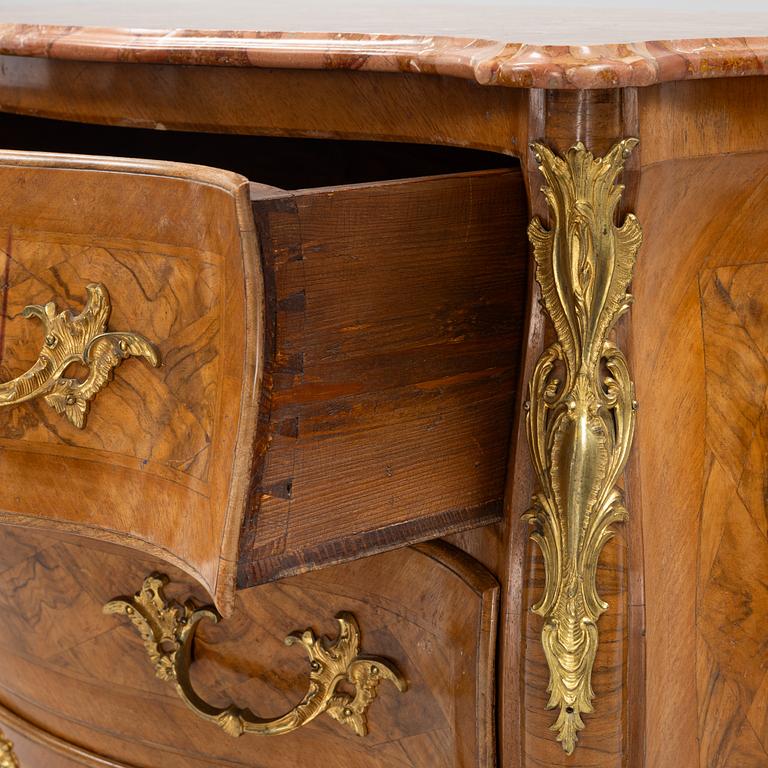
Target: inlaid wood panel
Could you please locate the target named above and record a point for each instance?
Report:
(163, 459)
(394, 326)
(699, 338)
(732, 594)
(84, 677)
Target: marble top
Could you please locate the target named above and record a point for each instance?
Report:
(518, 43)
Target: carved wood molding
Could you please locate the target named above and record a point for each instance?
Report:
(54, 744)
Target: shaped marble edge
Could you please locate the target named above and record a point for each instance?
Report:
(487, 62)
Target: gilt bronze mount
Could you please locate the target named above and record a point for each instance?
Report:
(168, 631)
(8, 757)
(581, 409)
(69, 339)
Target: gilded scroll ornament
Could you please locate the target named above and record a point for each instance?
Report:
(168, 631)
(581, 410)
(8, 757)
(69, 339)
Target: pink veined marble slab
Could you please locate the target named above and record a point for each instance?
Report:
(494, 43)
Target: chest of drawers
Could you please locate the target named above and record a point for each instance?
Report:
(439, 356)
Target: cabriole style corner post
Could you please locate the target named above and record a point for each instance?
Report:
(581, 409)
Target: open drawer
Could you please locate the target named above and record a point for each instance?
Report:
(336, 366)
(162, 460)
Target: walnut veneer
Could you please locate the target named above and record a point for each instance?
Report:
(325, 238)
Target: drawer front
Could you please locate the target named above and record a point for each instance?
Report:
(84, 677)
(161, 459)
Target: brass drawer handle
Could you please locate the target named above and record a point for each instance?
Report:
(71, 339)
(168, 631)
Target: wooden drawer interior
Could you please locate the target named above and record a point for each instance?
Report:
(394, 330)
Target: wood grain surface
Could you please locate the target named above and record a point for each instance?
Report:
(163, 463)
(701, 371)
(732, 584)
(561, 119)
(268, 102)
(393, 336)
(84, 677)
(707, 118)
(681, 671)
(36, 747)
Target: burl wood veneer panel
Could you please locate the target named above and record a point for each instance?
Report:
(699, 327)
(394, 324)
(84, 677)
(162, 462)
(732, 590)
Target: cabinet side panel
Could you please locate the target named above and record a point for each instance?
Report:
(702, 375)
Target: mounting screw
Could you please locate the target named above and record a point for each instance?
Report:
(51, 341)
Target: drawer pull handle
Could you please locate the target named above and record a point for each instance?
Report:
(69, 339)
(168, 631)
(581, 412)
